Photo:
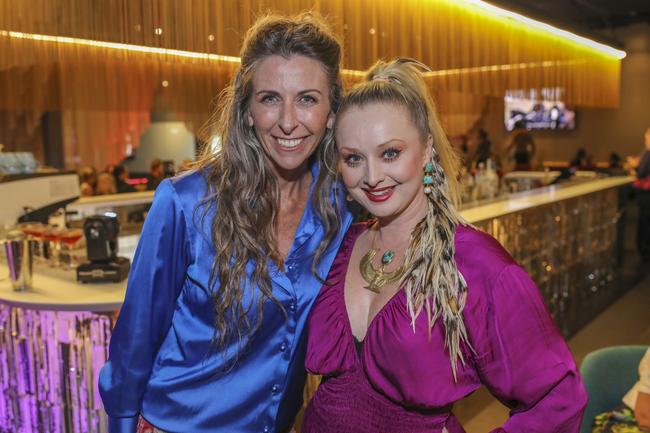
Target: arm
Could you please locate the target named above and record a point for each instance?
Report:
(155, 281)
(643, 166)
(642, 411)
(642, 408)
(523, 360)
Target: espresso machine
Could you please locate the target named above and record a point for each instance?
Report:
(101, 246)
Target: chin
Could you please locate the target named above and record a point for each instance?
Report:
(290, 164)
(383, 210)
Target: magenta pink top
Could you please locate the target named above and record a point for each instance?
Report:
(401, 382)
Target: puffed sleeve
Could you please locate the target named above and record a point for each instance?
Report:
(154, 283)
(524, 361)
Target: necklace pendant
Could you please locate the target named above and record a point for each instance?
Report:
(374, 288)
(378, 278)
(387, 257)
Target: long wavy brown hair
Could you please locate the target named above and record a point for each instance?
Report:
(242, 189)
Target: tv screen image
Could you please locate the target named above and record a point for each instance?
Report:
(538, 114)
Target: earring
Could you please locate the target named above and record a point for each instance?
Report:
(427, 179)
(348, 197)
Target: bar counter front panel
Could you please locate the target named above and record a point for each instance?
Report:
(54, 338)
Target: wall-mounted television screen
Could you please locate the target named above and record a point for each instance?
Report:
(538, 114)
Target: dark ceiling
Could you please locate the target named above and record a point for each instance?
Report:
(598, 18)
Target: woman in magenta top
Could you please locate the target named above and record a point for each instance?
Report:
(420, 308)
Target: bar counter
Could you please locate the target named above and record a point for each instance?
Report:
(569, 238)
(54, 338)
(53, 341)
(542, 196)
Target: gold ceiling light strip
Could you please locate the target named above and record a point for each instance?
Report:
(233, 59)
(507, 67)
(120, 46)
(509, 15)
(137, 48)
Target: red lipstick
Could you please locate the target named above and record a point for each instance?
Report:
(379, 194)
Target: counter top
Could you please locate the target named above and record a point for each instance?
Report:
(537, 197)
(86, 206)
(56, 289)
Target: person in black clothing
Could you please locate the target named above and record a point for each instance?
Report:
(642, 189)
(582, 160)
(121, 175)
(524, 146)
(483, 149)
(156, 174)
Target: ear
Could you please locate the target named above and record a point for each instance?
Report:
(249, 118)
(330, 120)
(428, 152)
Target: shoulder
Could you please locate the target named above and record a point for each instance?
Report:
(480, 258)
(350, 237)
(357, 228)
(179, 196)
(189, 185)
(184, 191)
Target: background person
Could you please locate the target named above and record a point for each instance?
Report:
(642, 189)
(521, 147)
(156, 174)
(633, 416)
(121, 175)
(88, 181)
(105, 184)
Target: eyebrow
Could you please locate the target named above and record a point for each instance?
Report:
(381, 145)
(386, 143)
(302, 92)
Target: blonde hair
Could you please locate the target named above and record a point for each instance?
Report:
(432, 281)
(105, 180)
(241, 186)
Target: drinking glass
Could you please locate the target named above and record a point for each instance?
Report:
(69, 238)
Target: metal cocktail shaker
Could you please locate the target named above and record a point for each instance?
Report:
(20, 261)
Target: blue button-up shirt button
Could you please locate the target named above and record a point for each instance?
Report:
(292, 306)
(283, 347)
(291, 267)
(274, 389)
(266, 429)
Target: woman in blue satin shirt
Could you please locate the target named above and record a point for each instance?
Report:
(210, 337)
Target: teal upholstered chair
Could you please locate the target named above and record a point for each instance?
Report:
(608, 374)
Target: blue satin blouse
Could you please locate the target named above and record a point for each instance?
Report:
(162, 363)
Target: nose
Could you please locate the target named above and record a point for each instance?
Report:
(288, 121)
(374, 173)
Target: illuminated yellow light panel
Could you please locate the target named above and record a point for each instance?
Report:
(503, 13)
(481, 5)
(118, 46)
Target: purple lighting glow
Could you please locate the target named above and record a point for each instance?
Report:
(49, 364)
